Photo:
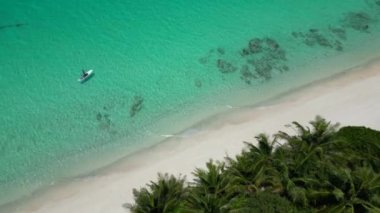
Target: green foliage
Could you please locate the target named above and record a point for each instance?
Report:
(210, 189)
(359, 134)
(317, 169)
(261, 202)
(165, 195)
(364, 142)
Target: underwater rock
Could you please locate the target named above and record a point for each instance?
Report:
(313, 30)
(99, 116)
(203, 60)
(198, 83)
(105, 121)
(244, 52)
(322, 41)
(338, 32)
(108, 121)
(271, 44)
(263, 67)
(2, 27)
(309, 42)
(318, 38)
(283, 68)
(314, 37)
(262, 56)
(358, 21)
(225, 66)
(297, 34)
(220, 50)
(257, 45)
(338, 45)
(113, 132)
(246, 74)
(271, 58)
(263, 70)
(254, 45)
(105, 126)
(279, 54)
(136, 106)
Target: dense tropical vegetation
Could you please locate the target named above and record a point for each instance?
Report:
(318, 169)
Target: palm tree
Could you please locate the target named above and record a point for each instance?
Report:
(265, 147)
(305, 159)
(261, 202)
(315, 169)
(363, 145)
(210, 189)
(165, 195)
(252, 170)
(309, 146)
(360, 192)
(320, 133)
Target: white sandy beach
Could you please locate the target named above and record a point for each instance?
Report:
(351, 98)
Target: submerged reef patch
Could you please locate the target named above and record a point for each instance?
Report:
(2, 27)
(246, 74)
(220, 51)
(333, 36)
(104, 121)
(205, 59)
(257, 61)
(316, 37)
(225, 66)
(99, 116)
(359, 21)
(372, 3)
(136, 106)
(338, 32)
(198, 83)
(263, 56)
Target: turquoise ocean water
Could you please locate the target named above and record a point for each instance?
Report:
(159, 67)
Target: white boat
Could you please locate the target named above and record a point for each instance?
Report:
(87, 75)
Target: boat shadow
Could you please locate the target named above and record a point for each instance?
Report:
(89, 77)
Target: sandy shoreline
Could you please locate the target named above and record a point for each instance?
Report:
(351, 98)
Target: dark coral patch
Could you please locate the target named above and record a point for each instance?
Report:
(283, 68)
(271, 44)
(315, 37)
(105, 122)
(99, 116)
(2, 27)
(264, 55)
(136, 106)
(244, 52)
(246, 75)
(255, 46)
(338, 32)
(203, 60)
(221, 51)
(263, 68)
(359, 21)
(198, 83)
(297, 34)
(225, 66)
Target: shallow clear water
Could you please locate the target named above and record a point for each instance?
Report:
(159, 66)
